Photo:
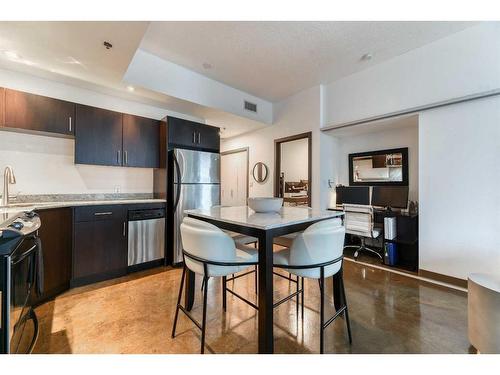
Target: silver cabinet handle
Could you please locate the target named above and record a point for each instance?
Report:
(194, 137)
(118, 157)
(103, 213)
(124, 229)
(199, 137)
(125, 155)
(70, 127)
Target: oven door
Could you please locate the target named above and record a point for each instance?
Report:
(23, 325)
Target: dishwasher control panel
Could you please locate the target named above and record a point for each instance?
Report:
(148, 214)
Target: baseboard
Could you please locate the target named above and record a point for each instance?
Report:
(443, 278)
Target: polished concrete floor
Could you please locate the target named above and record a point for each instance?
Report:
(389, 313)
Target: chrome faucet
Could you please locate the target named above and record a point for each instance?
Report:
(8, 178)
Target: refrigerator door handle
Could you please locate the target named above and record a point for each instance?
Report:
(181, 166)
(178, 169)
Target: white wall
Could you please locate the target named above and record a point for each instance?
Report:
(45, 165)
(297, 114)
(464, 63)
(394, 138)
(459, 188)
(457, 226)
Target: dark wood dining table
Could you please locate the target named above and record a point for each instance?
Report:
(263, 226)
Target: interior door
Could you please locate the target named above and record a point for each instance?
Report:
(234, 178)
(293, 170)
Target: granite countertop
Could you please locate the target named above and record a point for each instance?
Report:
(17, 208)
(245, 216)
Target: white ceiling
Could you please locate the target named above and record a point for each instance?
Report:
(72, 49)
(270, 60)
(73, 53)
(273, 60)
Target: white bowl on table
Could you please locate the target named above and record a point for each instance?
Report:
(265, 204)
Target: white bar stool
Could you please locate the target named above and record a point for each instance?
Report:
(317, 253)
(210, 252)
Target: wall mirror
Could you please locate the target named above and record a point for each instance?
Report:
(382, 167)
(260, 172)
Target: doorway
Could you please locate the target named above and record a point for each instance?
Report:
(292, 180)
(234, 177)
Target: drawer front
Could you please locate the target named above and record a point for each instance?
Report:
(105, 212)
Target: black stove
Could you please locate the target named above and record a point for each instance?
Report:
(21, 279)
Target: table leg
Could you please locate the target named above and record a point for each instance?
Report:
(190, 288)
(266, 339)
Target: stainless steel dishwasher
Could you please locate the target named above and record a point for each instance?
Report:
(146, 235)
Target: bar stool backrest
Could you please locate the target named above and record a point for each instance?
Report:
(206, 241)
(320, 243)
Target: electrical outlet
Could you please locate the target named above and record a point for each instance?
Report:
(117, 188)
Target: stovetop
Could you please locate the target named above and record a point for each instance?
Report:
(15, 228)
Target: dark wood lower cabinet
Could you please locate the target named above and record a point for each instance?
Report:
(100, 244)
(56, 235)
(83, 245)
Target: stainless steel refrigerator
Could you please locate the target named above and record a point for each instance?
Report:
(195, 184)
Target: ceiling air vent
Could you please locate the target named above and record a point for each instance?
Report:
(252, 107)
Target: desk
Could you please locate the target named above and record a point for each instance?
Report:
(264, 226)
(406, 239)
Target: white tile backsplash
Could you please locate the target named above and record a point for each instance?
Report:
(45, 165)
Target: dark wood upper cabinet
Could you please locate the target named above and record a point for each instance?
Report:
(56, 234)
(141, 142)
(2, 106)
(192, 135)
(39, 113)
(181, 132)
(208, 137)
(98, 136)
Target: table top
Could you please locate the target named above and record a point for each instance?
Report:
(245, 216)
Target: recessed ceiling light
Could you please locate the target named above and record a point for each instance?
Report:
(28, 62)
(207, 65)
(11, 55)
(130, 88)
(366, 57)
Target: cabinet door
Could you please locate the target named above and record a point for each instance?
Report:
(100, 251)
(56, 236)
(98, 136)
(2, 106)
(181, 132)
(141, 142)
(207, 137)
(40, 113)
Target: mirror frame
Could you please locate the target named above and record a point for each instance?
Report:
(266, 169)
(404, 182)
